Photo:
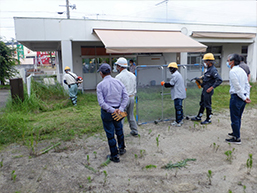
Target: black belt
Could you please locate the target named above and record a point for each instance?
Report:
(236, 94)
(71, 84)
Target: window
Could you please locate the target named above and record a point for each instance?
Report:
(195, 59)
(214, 49)
(244, 50)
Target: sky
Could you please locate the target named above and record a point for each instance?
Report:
(226, 12)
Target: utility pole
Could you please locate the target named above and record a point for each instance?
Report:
(68, 6)
(164, 1)
(68, 9)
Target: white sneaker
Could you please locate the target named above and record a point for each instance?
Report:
(176, 124)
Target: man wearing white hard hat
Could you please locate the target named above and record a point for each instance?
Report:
(129, 80)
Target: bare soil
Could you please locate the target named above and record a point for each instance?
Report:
(63, 169)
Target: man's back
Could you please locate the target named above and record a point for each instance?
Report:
(245, 67)
(129, 81)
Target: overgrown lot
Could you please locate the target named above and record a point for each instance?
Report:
(47, 145)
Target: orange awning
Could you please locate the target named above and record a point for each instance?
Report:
(144, 41)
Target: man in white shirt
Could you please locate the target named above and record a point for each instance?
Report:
(129, 80)
(71, 79)
(240, 95)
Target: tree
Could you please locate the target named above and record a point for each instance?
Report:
(7, 62)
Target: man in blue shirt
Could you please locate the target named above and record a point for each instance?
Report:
(240, 95)
(112, 98)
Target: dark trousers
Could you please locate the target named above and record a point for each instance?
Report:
(112, 127)
(179, 109)
(236, 107)
(206, 99)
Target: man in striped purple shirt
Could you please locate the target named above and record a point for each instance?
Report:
(112, 97)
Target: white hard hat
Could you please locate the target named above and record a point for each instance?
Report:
(122, 62)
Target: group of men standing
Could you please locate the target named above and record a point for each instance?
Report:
(239, 77)
(116, 95)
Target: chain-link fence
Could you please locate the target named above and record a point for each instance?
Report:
(153, 101)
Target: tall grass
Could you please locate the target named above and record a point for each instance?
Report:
(49, 113)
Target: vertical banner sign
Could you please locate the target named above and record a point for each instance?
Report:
(20, 51)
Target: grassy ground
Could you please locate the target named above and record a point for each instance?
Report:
(49, 114)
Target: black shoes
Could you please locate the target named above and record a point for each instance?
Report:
(133, 133)
(196, 119)
(231, 134)
(234, 140)
(206, 122)
(122, 151)
(114, 159)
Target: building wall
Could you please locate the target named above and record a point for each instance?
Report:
(73, 34)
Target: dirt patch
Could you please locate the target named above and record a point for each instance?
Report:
(63, 169)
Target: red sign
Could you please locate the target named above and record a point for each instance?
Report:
(44, 57)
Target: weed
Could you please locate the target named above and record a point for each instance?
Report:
(128, 182)
(224, 178)
(13, 176)
(95, 154)
(229, 155)
(105, 177)
(150, 166)
(229, 191)
(157, 141)
(209, 175)
(142, 152)
(90, 168)
(150, 131)
(139, 137)
(88, 160)
(180, 164)
(136, 158)
(47, 149)
(244, 188)
(249, 163)
(215, 147)
(1, 163)
(18, 156)
(169, 128)
(105, 163)
(89, 179)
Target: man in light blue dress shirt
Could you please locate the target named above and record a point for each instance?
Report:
(112, 98)
(240, 95)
